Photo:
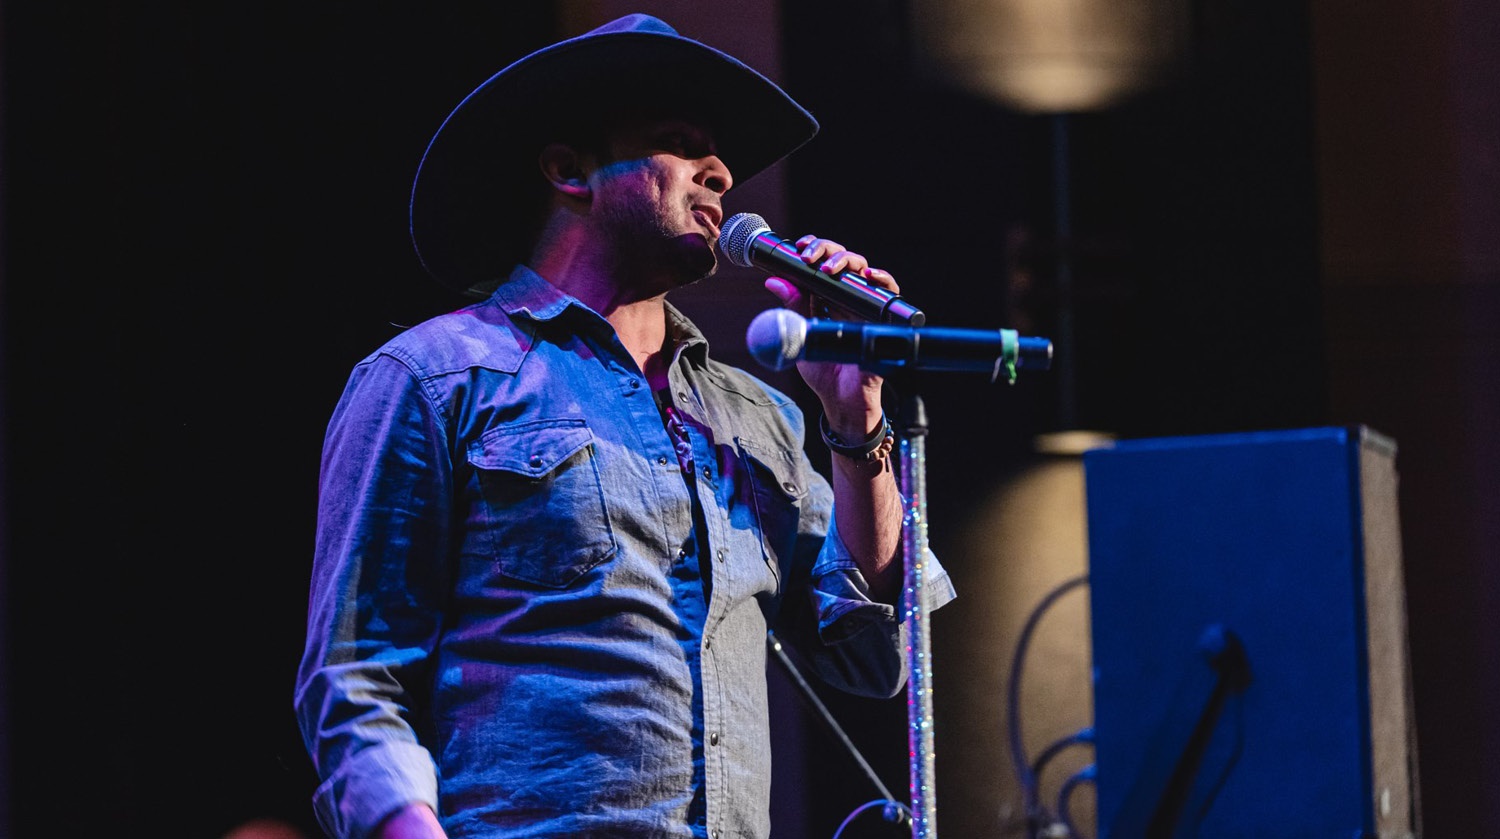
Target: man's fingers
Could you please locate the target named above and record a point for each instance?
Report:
(882, 278)
(803, 303)
(828, 255)
(812, 249)
(832, 258)
(841, 261)
(790, 296)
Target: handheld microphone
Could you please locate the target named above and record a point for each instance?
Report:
(778, 338)
(747, 241)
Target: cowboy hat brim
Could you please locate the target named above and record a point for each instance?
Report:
(471, 198)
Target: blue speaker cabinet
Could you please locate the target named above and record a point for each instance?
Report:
(1249, 637)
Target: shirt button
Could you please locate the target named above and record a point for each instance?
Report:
(713, 739)
(661, 461)
(682, 394)
(707, 473)
(536, 461)
(682, 553)
(789, 486)
(721, 554)
(635, 384)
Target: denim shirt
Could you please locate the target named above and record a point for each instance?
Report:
(525, 613)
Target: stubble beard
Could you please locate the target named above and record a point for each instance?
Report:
(654, 250)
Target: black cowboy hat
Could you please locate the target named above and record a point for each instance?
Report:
(472, 198)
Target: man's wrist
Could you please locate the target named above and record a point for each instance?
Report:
(874, 445)
(853, 425)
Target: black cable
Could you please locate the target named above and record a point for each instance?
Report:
(1084, 775)
(1034, 809)
(894, 812)
(1083, 736)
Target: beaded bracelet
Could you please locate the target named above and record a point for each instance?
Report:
(876, 448)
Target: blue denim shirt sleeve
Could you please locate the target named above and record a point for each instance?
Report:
(373, 614)
(861, 641)
(373, 784)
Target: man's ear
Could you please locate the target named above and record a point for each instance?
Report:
(566, 170)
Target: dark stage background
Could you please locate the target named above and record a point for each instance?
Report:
(204, 229)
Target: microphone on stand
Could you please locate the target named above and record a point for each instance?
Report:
(747, 241)
(779, 338)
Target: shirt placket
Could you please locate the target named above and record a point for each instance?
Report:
(712, 489)
(678, 458)
(658, 446)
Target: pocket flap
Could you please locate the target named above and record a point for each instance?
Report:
(781, 465)
(532, 449)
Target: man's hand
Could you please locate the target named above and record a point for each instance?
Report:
(849, 394)
(414, 821)
(866, 503)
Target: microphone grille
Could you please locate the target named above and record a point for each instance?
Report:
(735, 236)
(776, 338)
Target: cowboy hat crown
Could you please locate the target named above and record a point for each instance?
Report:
(470, 198)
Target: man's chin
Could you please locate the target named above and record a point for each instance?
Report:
(700, 259)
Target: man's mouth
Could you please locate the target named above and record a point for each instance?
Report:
(710, 216)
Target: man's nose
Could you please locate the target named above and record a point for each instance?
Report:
(715, 175)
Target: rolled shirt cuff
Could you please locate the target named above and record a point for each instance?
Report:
(371, 785)
(841, 594)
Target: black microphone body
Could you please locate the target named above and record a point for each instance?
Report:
(748, 242)
(778, 338)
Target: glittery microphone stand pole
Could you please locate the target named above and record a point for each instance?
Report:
(913, 465)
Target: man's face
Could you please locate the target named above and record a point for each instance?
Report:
(658, 198)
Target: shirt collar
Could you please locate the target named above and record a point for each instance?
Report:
(529, 294)
(684, 334)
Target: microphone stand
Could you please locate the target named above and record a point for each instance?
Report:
(912, 432)
(773, 343)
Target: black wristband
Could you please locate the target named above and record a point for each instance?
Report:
(879, 442)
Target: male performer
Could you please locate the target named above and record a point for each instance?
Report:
(552, 532)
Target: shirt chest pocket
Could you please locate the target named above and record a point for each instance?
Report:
(776, 489)
(542, 501)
